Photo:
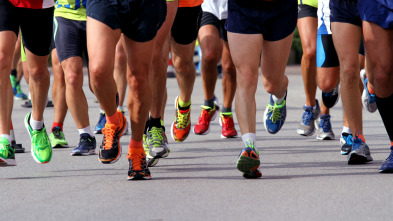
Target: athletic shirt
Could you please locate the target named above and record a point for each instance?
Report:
(218, 8)
(190, 3)
(71, 9)
(313, 3)
(33, 4)
(324, 17)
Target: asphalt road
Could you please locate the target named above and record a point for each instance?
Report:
(303, 179)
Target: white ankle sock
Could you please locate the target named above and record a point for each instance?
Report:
(36, 125)
(277, 100)
(346, 130)
(248, 137)
(86, 130)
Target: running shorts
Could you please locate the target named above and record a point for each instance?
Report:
(186, 24)
(70, 38)
(210, 19)
(345, 12)
(379, 12)
(326, 53)
(307, 11)
(275, 20)
(35, 26)
(139, 20)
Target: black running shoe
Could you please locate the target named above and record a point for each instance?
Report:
(330, 98)
(86, 146)
(138, 169)
(110, 150)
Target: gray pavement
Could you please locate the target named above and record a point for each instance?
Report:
(303, 179)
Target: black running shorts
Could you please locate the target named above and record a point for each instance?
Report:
(210, 19)
(139, 20)
(186, 25)
(35, 25)
(307, 11)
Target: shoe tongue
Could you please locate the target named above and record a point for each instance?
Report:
(308, 108)
(112, 126)
(184, 111)
(133, 151)
(85, 135)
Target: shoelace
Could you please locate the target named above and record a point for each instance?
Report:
(204, 117)
(276, 114)
(156, 136)
(182, 118)
(85, 140)
(227, 123)
(249, 143)
(307, 116)
(108, 134)
(325, 124)
(136, 161)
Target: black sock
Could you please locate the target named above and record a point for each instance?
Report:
(146, 126)
(385, 106)
(209, 103)
(226, 109)
(154, 122)
(13, 72)
(183, 108)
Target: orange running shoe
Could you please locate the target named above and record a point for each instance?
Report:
(182, 123)
(203, 126)
(228, 126)
(110, 149)
(138, 169)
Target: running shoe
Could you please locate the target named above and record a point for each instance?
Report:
(41, 149)
(124, 113)
(368, 99)
(19, 94)
(14, 81)
(387, 165)
(324, 128)
(248, 162)
(138, 169)
(151, 161)
(27, 104)
(110, 150)
(101, 124)
(274, 116)
(228, 126)
(346, 143)
(7, 153)
(57, 138)
(158, 145)
(330, 98)
(86, 146)
(17, 147)
(181, 125)
(307, 125)
(203, 126)
(360, 152)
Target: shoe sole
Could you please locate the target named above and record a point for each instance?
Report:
(7, 162)
(97, 132)
(302, 132)
(59, 146)
(388, 170)
(152, 162)
(354, 158)
(139, 177)
(19, 148)
(364, 93)
(245, 164)
(325, 138)
(91, 152)
(32, 152)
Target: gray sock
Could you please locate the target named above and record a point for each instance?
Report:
(209, 103)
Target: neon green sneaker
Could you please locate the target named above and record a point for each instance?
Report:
(13, 83)
(7, 153)
(151, 161)
(41, 149)
(57, 138)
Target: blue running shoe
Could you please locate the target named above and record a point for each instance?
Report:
(307, 125)
(274, 116)
(324, 127)
(248, 162)
(360, 152)
(368, 99)
(387, 165)
(86, 146)
(101, 124)
(346, 143)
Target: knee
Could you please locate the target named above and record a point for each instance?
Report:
(349, 74)
(185, 68)
(310, 54)
(229, 69)
(209, 57)
(74, 81)
(5, 60)
(99, 75)
(37, 73)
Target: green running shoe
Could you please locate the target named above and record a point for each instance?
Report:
(151, 161)
(157, 141)
(13, 83)
(19, 95)
(57, 138)
(41, 149)
(7, 153)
